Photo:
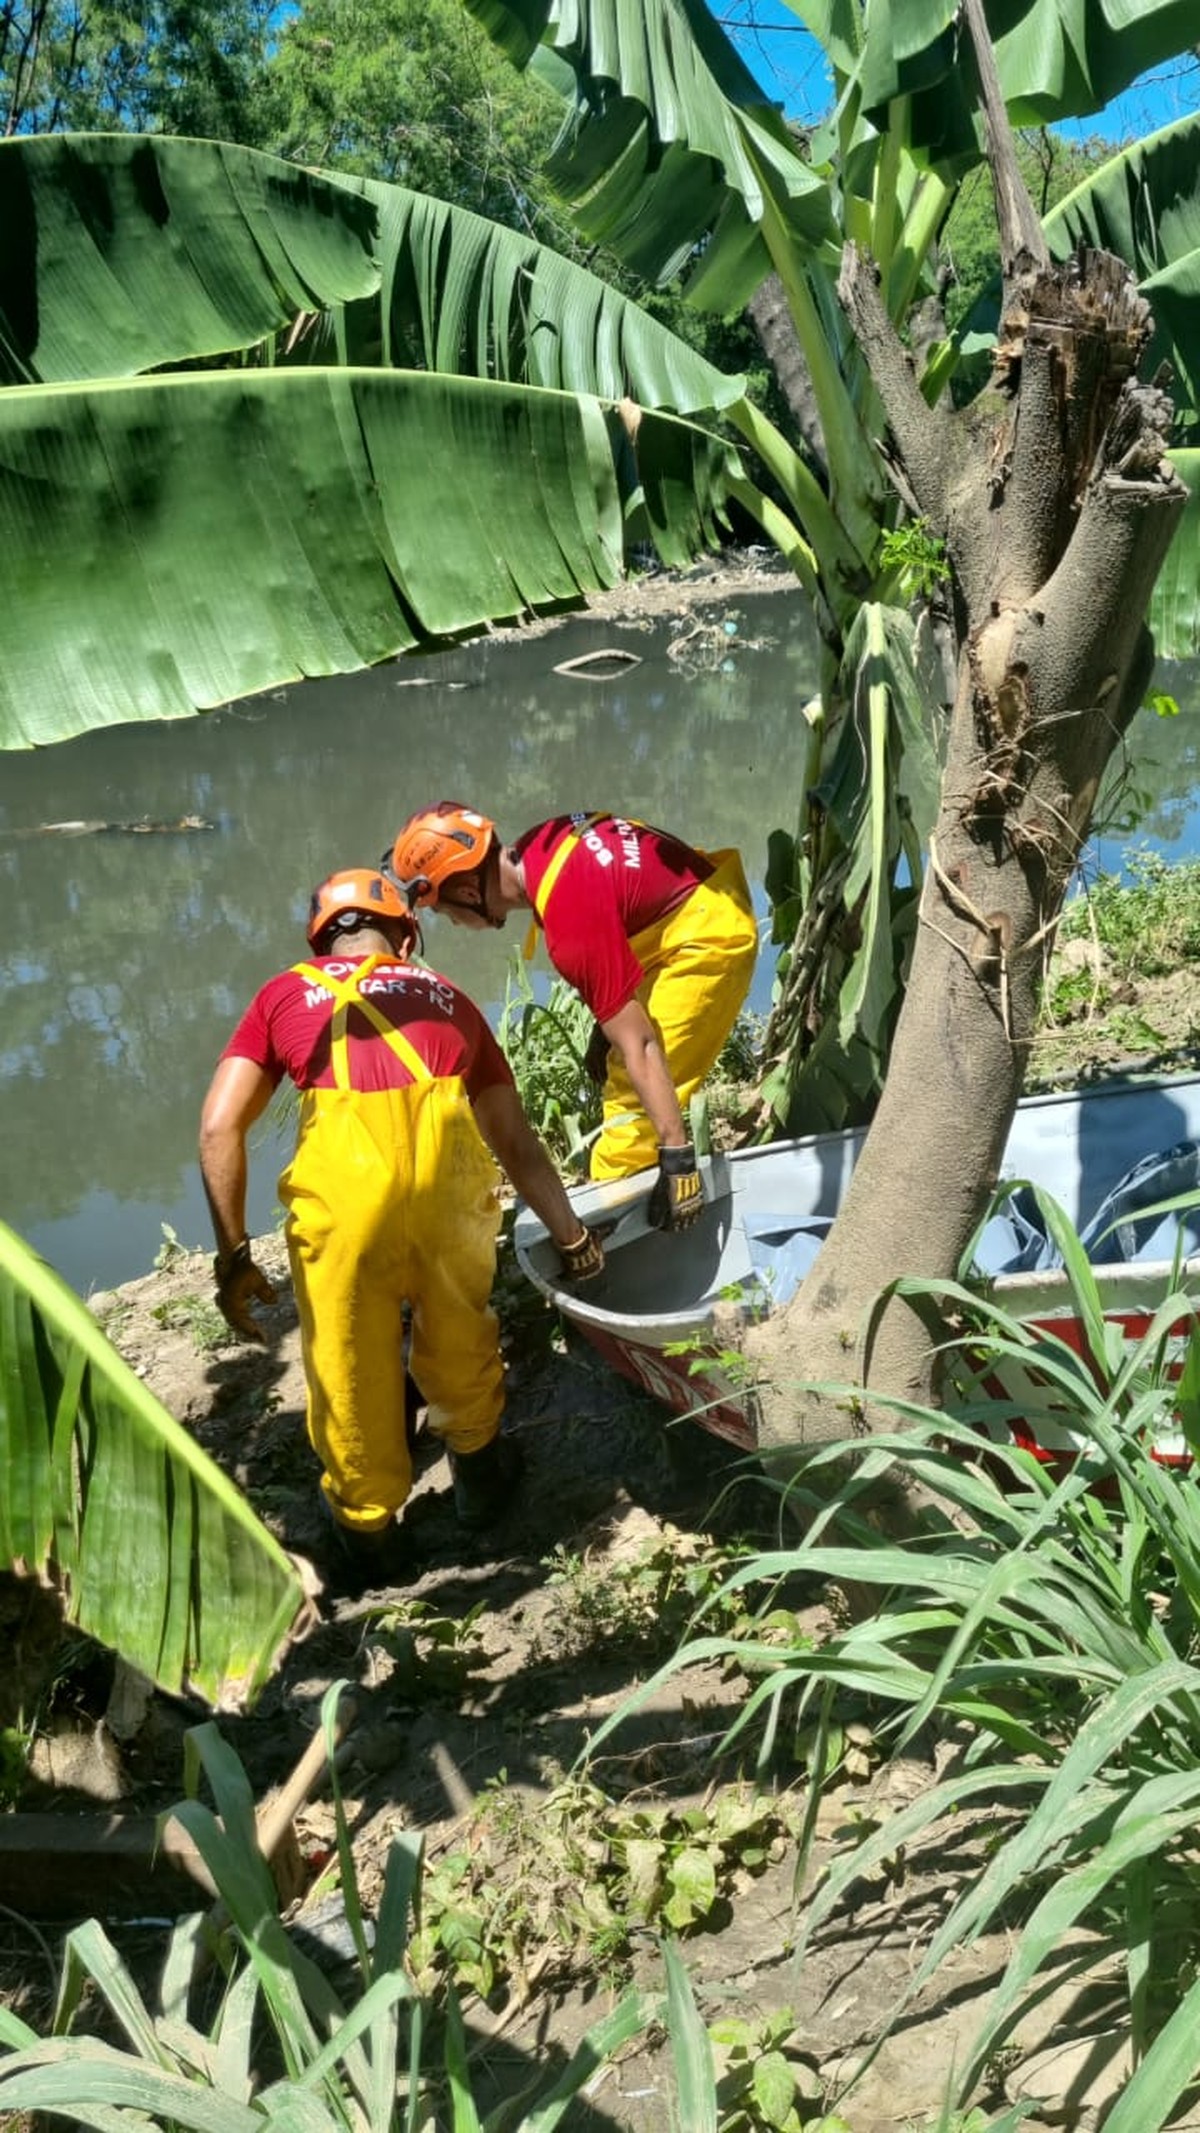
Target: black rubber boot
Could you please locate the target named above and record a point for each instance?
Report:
(414, 1401)
(356, 1562)
(485, 1480)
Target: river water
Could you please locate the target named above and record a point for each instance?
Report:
(130, 952)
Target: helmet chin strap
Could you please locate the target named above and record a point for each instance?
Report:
(481, 878)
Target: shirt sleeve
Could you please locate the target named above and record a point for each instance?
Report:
(487, 1067)
(586, 942)
(252, 1038)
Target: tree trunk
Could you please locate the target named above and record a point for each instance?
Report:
(1057, 506)
(772, 321)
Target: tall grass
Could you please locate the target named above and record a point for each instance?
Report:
(1051, 1617)
(281, 2052)
(545, 1043)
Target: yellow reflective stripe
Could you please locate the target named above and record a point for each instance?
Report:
(557, 861)
(346, 995)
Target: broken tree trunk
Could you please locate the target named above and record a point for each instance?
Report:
(1056, 505)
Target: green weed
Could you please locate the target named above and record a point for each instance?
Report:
(571, 1881)
(1053, 1620)
(170, 1251)
(915, 558)
(1147, 924)
(197, 1316)
(734, 2077)
(758, 2086)
(433, 1656)
(644, 1605)
(545, 1044)
(752, 1301)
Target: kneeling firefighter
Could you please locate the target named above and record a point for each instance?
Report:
(392, 1209)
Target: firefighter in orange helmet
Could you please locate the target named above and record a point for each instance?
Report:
(391, 1200)
(658, 937)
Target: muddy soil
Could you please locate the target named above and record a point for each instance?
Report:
(479, 1688)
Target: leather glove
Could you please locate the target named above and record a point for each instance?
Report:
(677, 1196)
(583, 1260)
(595, 1059)
(240, 1282)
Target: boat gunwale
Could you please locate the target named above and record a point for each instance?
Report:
(621, 1196)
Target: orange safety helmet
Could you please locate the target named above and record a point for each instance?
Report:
(436, 844)
(356, 895)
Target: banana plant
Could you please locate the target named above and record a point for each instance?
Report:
(904, 129)
(281, 424)
(226, 518)
(204, 1601)
(260, 422)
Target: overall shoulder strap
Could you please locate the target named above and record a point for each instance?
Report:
(346, 994)
(545, 888)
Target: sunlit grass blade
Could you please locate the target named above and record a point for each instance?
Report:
(691, 2051)
(90, 1959)
(91, 2083)
(233, 2071)
(1156, 1813)
(633, 2013)
(464, 2118)
(241, 1874)
(1063, 1803)
(364, 2018)
(1168, 2068)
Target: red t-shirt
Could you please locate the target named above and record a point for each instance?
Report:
(620, 877)
(285, 1029)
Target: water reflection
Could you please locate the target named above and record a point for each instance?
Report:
(1151, 794)
(132, 954)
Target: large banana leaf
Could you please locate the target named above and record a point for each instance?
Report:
(126, 253)
(120, 253)
(161, 1557)
(459, 293)
(651, 76)
(238, 528)
(1056, 59)
(673, 144)
(1175, 607)
(169, 543)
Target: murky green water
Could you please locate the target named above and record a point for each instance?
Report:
(130, 955)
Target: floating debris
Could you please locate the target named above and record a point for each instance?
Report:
(612, 657)
(121, 829)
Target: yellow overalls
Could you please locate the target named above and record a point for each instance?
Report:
(391, 1197)
(698, 962)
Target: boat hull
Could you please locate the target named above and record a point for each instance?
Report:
(656, 1314)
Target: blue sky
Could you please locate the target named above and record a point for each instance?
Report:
(791, 68)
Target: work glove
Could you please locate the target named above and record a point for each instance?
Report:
(677, 1196)
(239, 1283)
(583, 1260)
(595, 1059)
